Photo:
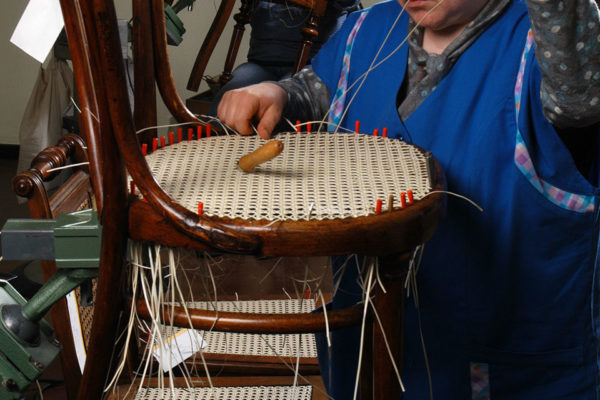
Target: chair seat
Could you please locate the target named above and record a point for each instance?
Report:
(269, 345)
(228, 393)
(230, 352)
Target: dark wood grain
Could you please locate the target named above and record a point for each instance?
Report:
(144, 86)
(256, 323)
(89, 121)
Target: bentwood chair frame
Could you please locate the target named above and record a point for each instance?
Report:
(109, 130)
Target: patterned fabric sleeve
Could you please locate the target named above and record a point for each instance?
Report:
(567, 42)
(308, 96)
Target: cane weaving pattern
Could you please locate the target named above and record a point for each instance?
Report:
(229, 393)
(317, 176)
(274, 345)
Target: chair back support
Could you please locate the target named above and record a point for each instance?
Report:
(242, 18)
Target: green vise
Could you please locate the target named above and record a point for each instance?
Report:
(20, 362)
(27, 346)
(73, 240)
(174, 24)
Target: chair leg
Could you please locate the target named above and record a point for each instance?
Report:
(309, 34)
(241, 18)
(390, 308)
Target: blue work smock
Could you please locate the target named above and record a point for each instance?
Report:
(508, 296)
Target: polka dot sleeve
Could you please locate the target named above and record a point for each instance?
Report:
(567, 45)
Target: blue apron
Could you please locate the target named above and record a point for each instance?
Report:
(510, 292)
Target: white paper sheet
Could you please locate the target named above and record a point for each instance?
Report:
(38, 28)
(178, 348)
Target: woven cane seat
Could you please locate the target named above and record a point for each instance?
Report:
(224, 388)
(228, 393)
(317, 176)
(301, 195)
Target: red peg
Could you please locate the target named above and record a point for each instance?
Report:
(199, 132)
(356, 126)
(378, 207)
(200, 208)
(171, 135)
(154, 144)
(144, 149)
(403, 199)
(384, 133)
(298, 128)
(190, 134)
(179, 136)
(308, 127)
(375, 132)
(410, 196)
(208, 128)
(162, 142)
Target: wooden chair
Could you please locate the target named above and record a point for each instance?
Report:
(72, 317)
(73, 195)
(200, 103)
(113, 146)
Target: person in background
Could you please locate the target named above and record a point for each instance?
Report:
(275, 39)
(506, 94)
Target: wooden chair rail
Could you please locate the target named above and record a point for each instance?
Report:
(89, 118)
(257, 323)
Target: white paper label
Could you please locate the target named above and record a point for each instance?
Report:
(178, 348)
(38, 28)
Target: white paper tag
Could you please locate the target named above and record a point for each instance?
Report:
(178, 348)
(77, 334)
(38, 28)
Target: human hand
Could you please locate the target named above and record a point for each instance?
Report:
(265, 101)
